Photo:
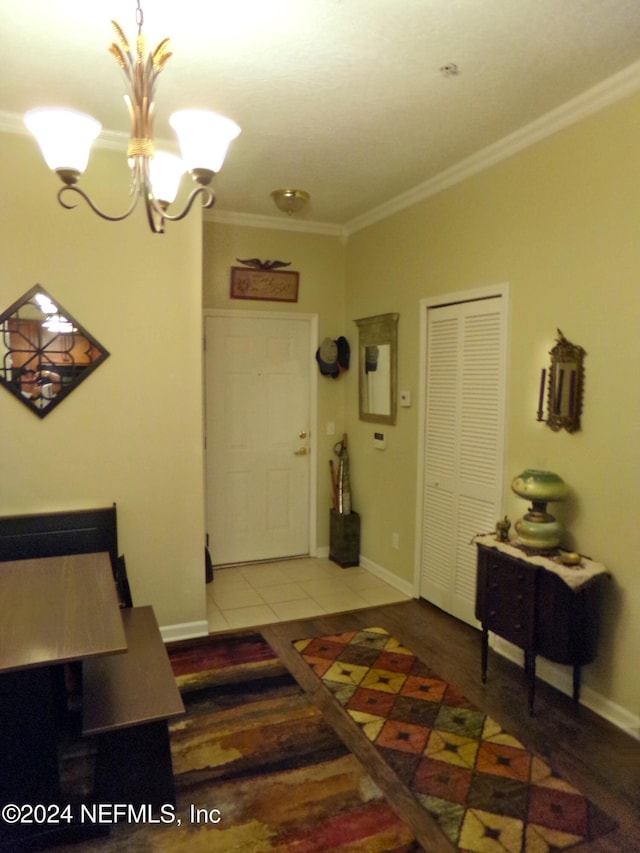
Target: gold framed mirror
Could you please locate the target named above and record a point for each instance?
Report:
(45, 353)
(564, 386)
(378, 367)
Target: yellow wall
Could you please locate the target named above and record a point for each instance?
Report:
(130, 433)
(320, 260)
(560, 222)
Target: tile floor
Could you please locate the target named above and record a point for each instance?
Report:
(262, 593)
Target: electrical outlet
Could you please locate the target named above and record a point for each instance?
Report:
(395, 540)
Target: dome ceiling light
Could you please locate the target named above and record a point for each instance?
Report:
(290, 201)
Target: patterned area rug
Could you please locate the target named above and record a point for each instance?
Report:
(484, 788)
(255, 757)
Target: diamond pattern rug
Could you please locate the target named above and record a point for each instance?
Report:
(484, 788)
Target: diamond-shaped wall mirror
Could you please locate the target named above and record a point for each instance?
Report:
(45, 353)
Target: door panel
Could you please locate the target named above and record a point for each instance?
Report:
(257, 406)
(463, 446)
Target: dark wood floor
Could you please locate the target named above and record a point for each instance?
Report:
(594, 756)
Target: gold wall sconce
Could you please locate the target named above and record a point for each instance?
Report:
(563, 385)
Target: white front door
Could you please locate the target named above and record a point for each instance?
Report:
(463, 445)
(258, 442)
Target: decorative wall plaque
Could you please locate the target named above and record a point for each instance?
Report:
(270, 285)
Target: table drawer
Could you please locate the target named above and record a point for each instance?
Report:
(510, 600)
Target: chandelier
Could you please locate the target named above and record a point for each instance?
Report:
(65, 138)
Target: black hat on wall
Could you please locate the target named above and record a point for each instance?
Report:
(327, 358)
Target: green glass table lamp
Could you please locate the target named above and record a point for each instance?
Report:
(538, 529)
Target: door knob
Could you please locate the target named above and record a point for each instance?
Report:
(302, 434)
(301, 452)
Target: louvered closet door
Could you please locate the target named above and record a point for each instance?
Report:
(463, 446)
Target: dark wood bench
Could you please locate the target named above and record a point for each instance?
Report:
(56, 534)
(127, 701)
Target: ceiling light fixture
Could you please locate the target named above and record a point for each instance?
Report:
(290, 201)
(65, 138)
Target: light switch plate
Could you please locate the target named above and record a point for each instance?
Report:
(405, 398)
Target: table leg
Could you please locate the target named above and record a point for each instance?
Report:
(485, 649)
(28, 748)
(576, 683)
(532, 680)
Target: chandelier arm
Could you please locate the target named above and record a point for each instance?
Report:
(93, 207)
(155, 215)
(210, 200)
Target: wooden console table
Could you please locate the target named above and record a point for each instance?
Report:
(539, 605)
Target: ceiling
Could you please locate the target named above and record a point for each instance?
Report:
(343, 98)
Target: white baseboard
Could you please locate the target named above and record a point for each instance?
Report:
(184, 631)
(561, 677)
(388, 577)
(379, 571)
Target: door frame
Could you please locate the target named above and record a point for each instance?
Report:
(431, 302)
(312, 325)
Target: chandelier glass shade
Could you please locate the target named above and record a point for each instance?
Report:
(65, 138)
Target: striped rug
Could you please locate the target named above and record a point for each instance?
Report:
(256, 766)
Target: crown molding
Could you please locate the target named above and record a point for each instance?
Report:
(275, 223)
(621, 85)
(12, 123)
(112, 139)
(615, 88)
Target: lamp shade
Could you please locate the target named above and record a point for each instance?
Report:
(165, 171)
(542, 486)
(204, 138)
(64, 136)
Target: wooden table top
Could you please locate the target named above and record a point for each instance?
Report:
(58, 609)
